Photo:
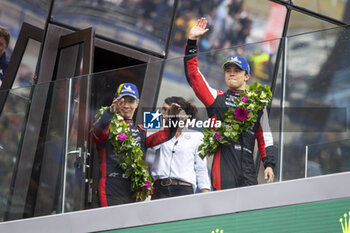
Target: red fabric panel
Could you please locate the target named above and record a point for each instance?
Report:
(216, 171)
(158, 138)
(102, 182)
(199, 84)
(261, 142)
(102, 135)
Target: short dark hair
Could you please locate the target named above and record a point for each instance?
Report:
(188, 106)
(4, 32)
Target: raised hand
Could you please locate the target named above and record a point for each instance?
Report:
(116, 104)
(199, 29)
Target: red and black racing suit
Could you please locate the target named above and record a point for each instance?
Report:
(114, 186)
(233, 164)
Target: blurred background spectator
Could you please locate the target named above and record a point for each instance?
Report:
(4, 43)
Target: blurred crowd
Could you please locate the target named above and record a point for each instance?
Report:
(228, 22)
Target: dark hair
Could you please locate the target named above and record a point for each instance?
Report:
(6, 34)
(188, 106)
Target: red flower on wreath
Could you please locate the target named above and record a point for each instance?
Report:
(121, 137)
(241, 114)
(147, 184)
(244, 99)
(217, 136)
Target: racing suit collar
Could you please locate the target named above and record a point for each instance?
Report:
(237, 91)
(234, 92)
(128, 121)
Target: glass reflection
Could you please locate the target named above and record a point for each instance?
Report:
(230, 23)
(26, 70)
(327, 158)
(333, 9)
(315, 85)
(11, 128)
(300, 23)
(14, 13)
(143, 24)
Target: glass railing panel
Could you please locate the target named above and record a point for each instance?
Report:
(47, 145)
(316, 95)
(327, 158)
(34, 140)
(12, 123)
(301, 23)
(142, 24)
(275, 114)
(26, 70)
(43, 149)
(332, 9)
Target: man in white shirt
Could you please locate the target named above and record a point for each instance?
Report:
(177, 169)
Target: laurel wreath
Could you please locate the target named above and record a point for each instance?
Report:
(236, 120)
(129, 156)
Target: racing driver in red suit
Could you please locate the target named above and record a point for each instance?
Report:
(233, 164)
(114, 186)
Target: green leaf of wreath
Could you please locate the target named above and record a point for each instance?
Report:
(256, 98)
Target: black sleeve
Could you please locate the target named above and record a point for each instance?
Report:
(103, 121)
(172, 126)
(191, 48)
(270, 159)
